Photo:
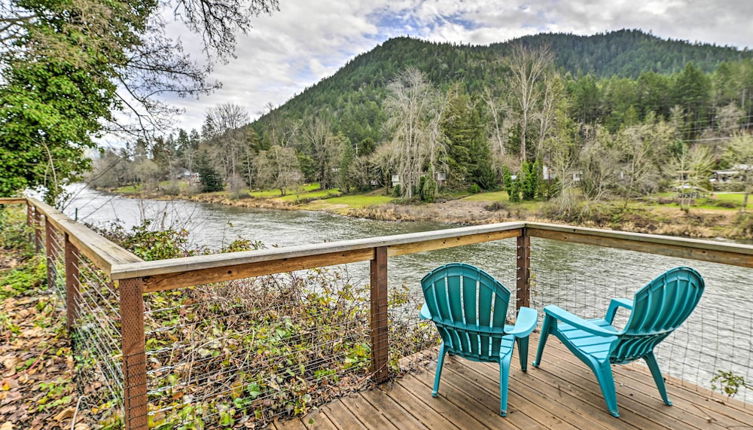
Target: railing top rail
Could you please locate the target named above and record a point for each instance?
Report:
(12, 200)
(449, 237)
(709, 245)
(104, 253)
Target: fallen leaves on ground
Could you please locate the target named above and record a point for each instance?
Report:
(37, 390)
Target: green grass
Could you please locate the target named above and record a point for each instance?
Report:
(711, 202)
(267, 194)
(491, 196)
(355, 201)
(128, 189)
(312, 195)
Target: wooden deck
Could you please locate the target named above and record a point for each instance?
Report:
(562, 394)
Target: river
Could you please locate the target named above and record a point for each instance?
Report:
(580, 278)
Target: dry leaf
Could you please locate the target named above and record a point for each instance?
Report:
(65, 414)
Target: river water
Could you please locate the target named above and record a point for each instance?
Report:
(213, 226)
(580, 278)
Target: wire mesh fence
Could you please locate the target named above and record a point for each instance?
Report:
(97, 342)
(94, 318)
(249, 351)
(709, 350)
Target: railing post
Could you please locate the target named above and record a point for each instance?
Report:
(523, 273)
(30, 218)
(37, 230)
(72, 294)
(134, 353)
(50, 251)
(379, 329)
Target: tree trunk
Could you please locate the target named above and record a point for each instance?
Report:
(745, 202)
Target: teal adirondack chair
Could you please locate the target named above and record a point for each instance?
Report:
(656, 311)
(469, 307)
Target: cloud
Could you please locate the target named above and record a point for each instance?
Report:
(308, 40)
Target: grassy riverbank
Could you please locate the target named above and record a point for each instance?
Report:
(717, 215)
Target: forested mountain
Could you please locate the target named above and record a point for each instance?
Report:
(355, 92)
(618, 114)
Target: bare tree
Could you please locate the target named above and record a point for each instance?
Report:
(415, 108)
(323, 145)
(500, 124)
(740, 153)
(642, 149)
(225, 117)
(528, 69)
(598, 164)
(278, 168)
(552, 90)
(692, 170)
(223, 130)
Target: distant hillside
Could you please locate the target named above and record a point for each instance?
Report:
(353, 95)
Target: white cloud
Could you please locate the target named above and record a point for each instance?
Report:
(308, 40)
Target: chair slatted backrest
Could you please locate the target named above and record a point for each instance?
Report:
(658, 309)
(469, 308)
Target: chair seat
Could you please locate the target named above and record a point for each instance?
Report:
(590, 344)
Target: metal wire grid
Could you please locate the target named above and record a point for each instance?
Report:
(56, 264)
(252, 350)
(716, 337)
(97, 342)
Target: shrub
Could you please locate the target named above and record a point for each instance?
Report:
(172, 188)
(743, 226)
(27, 277)
(474, 189)
(428, 189)
(14, 233)
(148, 243)
(549, 189)
(496, 206)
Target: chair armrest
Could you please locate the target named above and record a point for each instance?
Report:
(614, 305)
(425, 314)
(525, 323)
(562, 315)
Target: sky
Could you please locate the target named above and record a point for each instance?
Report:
(307, 40)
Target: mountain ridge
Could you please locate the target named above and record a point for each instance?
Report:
(353, 94)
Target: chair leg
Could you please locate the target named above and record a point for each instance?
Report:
(656, 373)
(603, 373)
(438, 374)
(504, 376)
(523, 352)
(545, 329)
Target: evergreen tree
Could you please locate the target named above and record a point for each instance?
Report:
(692, 93)
(511, 185)
(530, 179)
(208, 177)
(346, 164)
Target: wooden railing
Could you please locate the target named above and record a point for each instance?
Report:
(135, 277)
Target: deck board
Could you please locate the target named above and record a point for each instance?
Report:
(562, 394)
